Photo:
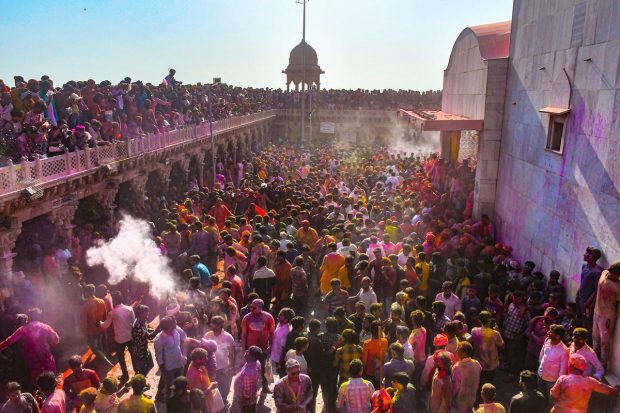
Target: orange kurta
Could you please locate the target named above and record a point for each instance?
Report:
(329, 269)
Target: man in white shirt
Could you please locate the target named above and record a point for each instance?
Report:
(392, 179)
(122, 318)
(553, 358)
(452, 302)
(366, 294)
(224, 355)
(594, 368)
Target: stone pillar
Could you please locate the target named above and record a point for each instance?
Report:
(138, 184)
(486, 174)
(490, 140)
(107, 199)
(184, 164)
(62, 218)
(164, 174)
(7, 243)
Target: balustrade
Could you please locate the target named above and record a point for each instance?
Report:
(45, 170)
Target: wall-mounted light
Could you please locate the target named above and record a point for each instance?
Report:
(542, 68)
(589, 59)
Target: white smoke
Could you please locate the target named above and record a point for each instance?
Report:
(405, 139)
(134, 253)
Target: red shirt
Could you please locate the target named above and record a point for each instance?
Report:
(237, 289)
(76, 382)
(258, 329)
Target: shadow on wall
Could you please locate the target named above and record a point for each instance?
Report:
(551, 207)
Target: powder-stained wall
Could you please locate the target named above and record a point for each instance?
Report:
(551, 206)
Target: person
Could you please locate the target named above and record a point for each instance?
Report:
(465, 379)
(590, 274)
(336, 297)
(451, 300)
(246, 387)
(169, 355)
(330, 339)
(332, 262)
(347, 352)
(18, 402)
(137, 402)
(299, 287)
(306, 235)
(402, 335)
(263, 281)
(200, 270)
(366, 293)
(122, 318)
(79, 379)
(397, 364)
(514, 328)
(441, 388)
(354, 395)
(257, 329)
(87, 397)
(605, 304)
(38, 339)
(293, 392)
(55, 399)
(316, 358)
(571, 393)
(489, 405)
(300, 346)
(224, 355)
(141, 333)
(170, 80)
(179, 400)
(94, 311)
(529, 399)
(553, 359)
(279, 338)
(417, 341)
(487, 343)
(282, 269)
(197, 373)
(106, 400)
(594, 368)
(404, 399)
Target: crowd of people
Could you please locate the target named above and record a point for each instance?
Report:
(41, 118)
(360, 274)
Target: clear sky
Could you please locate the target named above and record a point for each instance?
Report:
(360, 43)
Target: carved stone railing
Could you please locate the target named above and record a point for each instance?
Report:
(45, 170)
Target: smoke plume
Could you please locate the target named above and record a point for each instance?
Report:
(134, 253)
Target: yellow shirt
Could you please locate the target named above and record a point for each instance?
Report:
(425, 270)
(136, 404)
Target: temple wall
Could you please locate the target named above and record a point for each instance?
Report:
(551, 206)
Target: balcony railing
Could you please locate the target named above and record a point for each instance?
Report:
(45, 170)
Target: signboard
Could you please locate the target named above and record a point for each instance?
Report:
(328, 127)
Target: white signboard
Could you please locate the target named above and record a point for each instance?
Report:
(328, 127)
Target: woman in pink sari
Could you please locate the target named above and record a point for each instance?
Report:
(37, 339)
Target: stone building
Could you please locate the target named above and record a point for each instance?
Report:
(549, 153)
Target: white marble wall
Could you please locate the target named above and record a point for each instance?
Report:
(550, 207)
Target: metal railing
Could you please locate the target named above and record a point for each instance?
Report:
(45, 170)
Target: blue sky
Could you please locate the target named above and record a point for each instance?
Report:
(360, 43)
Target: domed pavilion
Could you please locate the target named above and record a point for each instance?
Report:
(303, 67)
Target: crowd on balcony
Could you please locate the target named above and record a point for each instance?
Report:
(41, 118)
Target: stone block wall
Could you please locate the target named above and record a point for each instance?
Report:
(551, 206)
